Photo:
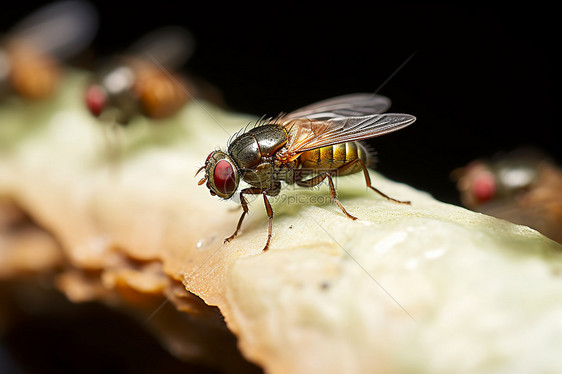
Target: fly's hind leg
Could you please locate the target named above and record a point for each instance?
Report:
(269, 211)
(344, 170)
(368, 180)
(317, 180)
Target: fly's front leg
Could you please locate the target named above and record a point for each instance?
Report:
(244, 203)
(317, 180)
(268, 209)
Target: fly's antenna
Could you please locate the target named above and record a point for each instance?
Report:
(199, 170)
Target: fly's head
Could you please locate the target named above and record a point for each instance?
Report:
(96, 99)
(221, 174)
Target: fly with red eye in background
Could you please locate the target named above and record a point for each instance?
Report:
(304, 147)
(140, 80)
(522, 186)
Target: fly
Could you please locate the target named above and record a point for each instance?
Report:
(522, 186)
(304, 147)
(142, 81)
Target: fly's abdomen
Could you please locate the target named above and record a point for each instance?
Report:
(335, 157)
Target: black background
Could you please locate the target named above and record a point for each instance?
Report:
(480, 79)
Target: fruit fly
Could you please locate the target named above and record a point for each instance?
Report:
(522, 186)
(139, 80)
(304, 147)
(31, 52)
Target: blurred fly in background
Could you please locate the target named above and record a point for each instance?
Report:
(32, 51)
(143, 80)
(523, 187)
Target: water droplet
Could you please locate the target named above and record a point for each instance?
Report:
(200, 243)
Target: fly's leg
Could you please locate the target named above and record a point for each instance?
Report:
(268, 208)
(317, 180)
(343, 170)
(270, 215)
(244, 204)
(368, 181)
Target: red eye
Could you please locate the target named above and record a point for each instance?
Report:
(224, 177)
(484, 186)
(96, 99)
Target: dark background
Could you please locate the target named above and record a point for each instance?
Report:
(481, 79)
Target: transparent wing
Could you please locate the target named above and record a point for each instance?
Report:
(353, 105)
(308, 134)
(169, 46)
(60, 29)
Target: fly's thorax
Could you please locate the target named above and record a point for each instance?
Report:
(286, 172)
(261, 175)
(334, 157)
(249, 149)
(270, 138)
(253, 153)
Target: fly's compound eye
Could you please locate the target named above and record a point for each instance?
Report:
(484, 186)
(96, 99)
(225, 178)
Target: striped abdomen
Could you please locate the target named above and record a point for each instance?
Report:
(335, 157)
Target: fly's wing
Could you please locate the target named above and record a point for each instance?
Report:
(306, 134)
(340, 120)
(169, 46)
(61, 29)
(353, 105)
